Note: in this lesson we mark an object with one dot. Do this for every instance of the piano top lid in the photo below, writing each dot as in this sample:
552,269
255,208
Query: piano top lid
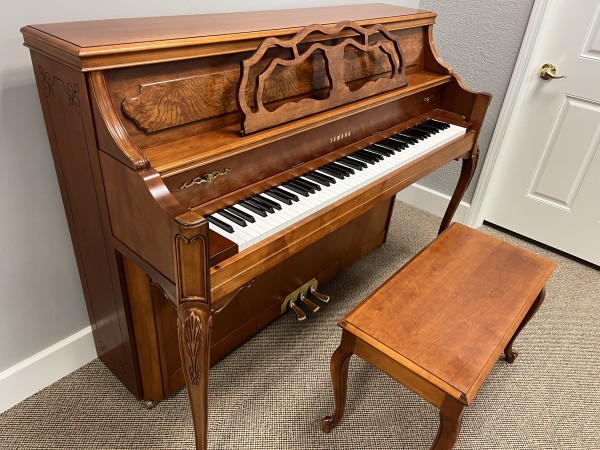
103,44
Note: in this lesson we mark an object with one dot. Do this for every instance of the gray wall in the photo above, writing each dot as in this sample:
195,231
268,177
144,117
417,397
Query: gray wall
480,40
41,300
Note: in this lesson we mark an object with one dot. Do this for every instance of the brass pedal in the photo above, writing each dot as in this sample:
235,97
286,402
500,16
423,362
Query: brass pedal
324,298
308,303
299,313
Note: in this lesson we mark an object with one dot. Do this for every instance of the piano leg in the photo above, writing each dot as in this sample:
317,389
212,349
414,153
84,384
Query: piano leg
194,315
468,168
194,327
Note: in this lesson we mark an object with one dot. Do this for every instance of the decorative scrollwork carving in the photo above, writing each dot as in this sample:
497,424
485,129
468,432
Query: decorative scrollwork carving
206,178
47,81
192,334
258,117
72,91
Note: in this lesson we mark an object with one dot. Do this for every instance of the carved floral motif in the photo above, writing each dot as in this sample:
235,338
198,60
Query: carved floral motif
192,333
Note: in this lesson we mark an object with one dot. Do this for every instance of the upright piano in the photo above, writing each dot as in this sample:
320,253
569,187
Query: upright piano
217,169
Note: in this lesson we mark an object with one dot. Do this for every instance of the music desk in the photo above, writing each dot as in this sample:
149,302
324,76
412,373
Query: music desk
440,323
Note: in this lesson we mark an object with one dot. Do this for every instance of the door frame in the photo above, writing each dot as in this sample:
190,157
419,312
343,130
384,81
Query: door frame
507,120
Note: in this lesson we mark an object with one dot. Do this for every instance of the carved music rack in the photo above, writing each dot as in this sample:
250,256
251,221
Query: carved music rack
341,85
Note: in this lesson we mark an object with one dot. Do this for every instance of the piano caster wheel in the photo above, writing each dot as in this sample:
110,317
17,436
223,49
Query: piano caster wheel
324,298
150,404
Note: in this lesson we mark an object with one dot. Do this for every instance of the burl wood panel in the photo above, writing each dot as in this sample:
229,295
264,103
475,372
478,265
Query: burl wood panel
162,105
466,290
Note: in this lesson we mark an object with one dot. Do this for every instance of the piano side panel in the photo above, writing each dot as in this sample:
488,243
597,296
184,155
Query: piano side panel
64,100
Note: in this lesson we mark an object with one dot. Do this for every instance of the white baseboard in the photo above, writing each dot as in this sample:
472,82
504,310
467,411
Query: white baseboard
44,368
432,201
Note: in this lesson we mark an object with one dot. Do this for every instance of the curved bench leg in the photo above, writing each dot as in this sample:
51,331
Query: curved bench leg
451,413
510,353
339,378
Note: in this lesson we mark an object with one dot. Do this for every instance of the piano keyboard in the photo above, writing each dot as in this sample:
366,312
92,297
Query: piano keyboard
256,218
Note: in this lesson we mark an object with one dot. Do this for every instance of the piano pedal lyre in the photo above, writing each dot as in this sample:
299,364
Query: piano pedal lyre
301,295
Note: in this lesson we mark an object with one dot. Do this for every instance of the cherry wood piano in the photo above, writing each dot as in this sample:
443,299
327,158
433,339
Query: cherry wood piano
216,169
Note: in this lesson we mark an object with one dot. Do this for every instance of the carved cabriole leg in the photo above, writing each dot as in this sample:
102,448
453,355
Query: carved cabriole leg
194,315
451,413
468,168
339,378
193,329
510,353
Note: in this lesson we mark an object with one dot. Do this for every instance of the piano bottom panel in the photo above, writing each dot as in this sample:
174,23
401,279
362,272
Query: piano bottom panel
253,307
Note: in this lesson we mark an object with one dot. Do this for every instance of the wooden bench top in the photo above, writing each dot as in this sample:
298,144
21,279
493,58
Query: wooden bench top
448,314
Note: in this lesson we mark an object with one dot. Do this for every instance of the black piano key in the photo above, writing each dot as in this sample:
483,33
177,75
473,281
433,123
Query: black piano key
301,185
232,217
322,175
334,173
292,187
309,183
258,204
241,214
278,197
417,130
362,158
358,165
346,170
408,138
305,185
285,193
424,126
337,170
401,144
254,209
379,151
375,155
364,154
316,178
268,201
413,133
437,123
219,223
386,147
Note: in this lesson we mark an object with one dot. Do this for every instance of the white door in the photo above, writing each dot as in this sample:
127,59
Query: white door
547,182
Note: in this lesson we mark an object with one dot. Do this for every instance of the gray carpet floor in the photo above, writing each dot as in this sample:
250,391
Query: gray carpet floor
272,391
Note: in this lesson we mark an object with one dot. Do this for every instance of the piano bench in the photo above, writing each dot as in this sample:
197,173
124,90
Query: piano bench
440,323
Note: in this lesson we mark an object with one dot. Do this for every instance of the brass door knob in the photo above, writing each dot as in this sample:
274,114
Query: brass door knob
548,72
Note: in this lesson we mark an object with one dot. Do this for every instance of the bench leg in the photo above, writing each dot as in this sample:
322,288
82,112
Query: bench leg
510,353
451,413
339,378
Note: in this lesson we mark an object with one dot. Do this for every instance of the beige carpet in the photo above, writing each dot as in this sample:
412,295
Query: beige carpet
272,391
